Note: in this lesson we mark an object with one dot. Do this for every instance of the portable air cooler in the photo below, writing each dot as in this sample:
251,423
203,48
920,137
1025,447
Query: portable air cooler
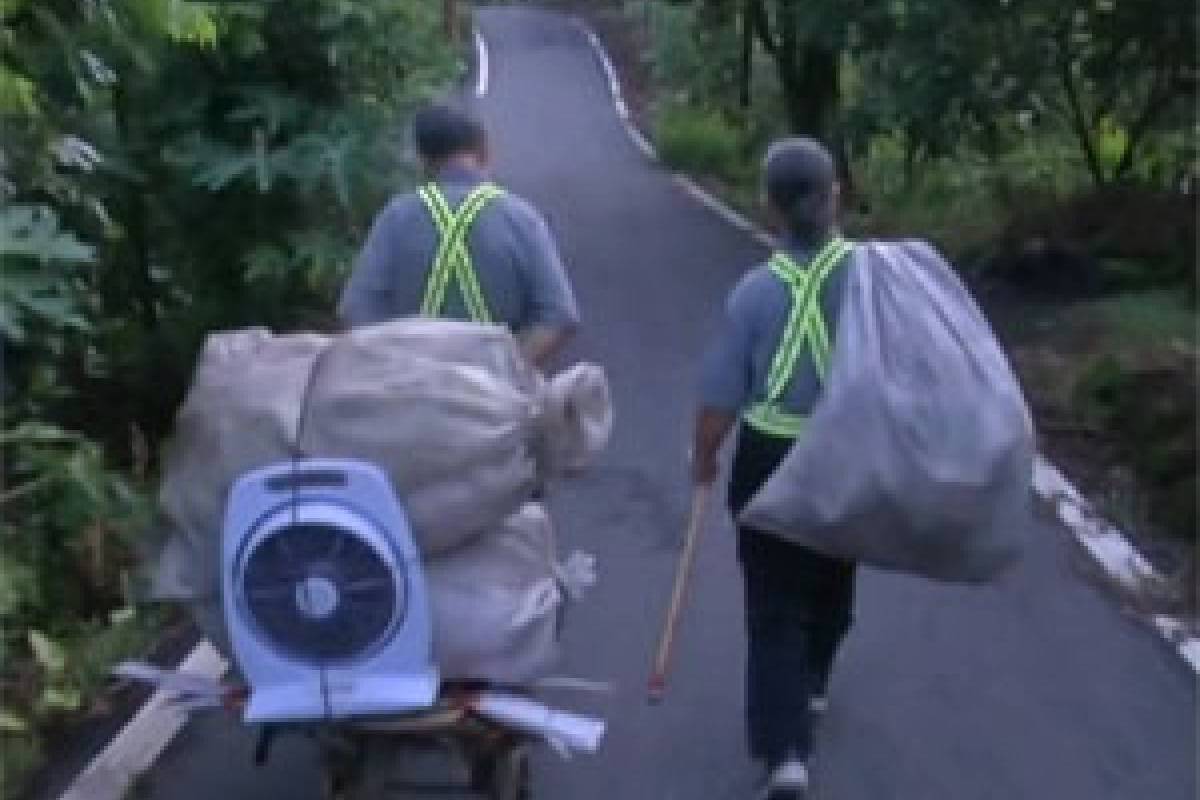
323,594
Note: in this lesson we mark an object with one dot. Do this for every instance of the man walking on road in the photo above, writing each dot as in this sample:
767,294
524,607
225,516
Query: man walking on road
461,247
766,369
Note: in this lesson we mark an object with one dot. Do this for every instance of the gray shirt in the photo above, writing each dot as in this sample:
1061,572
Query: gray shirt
515,258
738,362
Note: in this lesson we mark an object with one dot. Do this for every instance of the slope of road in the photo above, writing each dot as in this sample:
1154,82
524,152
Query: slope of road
1037,688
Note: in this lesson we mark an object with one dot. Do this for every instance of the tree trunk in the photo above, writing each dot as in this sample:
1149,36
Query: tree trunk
810,75
134,219
450,20
746,75
716,27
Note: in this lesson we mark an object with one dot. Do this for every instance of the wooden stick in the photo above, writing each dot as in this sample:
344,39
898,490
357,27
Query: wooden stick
658,677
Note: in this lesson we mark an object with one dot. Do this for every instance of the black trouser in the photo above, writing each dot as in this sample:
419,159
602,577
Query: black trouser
798,609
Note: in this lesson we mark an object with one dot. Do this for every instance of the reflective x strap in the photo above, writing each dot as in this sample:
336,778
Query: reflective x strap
439,274
457,255
770,420
805,320
815,328
453,258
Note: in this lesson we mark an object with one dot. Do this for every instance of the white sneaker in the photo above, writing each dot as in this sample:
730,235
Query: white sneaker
789,781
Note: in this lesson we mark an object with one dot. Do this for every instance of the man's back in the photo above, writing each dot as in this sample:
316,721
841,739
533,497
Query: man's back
511,250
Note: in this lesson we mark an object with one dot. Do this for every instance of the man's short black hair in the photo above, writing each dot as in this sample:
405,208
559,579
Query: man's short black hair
442,132
799,176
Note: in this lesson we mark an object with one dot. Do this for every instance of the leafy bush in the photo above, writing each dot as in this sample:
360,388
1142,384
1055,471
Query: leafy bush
167,169
691,55
698,140
1148,405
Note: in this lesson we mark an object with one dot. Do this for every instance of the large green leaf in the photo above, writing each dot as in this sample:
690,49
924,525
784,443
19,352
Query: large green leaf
50,655
12,722
61,698
18,94
18,585
180,20
34,231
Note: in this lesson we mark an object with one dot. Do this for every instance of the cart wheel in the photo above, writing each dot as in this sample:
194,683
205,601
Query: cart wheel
510,775
342,775
372,774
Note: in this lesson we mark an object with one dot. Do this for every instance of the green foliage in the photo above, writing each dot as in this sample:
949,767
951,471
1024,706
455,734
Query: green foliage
1115,80
168,168
1158,315
693,54
697,140
1148,405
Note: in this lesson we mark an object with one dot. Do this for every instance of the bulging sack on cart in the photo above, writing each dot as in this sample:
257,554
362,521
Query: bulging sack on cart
577,421
497,602
451,411
919,457
455,431
241,413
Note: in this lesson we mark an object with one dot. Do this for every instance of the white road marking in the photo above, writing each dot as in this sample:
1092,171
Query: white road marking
483,65
730,215
136,747
615,91
1110,548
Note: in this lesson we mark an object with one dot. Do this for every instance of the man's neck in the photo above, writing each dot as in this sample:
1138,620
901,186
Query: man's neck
460,169
806,243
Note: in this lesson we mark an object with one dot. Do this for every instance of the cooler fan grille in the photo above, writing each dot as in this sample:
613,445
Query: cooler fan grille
321,593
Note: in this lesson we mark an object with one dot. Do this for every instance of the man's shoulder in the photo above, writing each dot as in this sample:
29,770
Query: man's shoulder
516,208
403,204
757,284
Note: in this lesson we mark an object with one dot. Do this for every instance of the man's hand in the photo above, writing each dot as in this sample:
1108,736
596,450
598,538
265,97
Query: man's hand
704,470
540,344
712,425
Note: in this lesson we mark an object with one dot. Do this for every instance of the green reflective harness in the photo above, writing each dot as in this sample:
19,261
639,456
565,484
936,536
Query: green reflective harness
453,258
805,331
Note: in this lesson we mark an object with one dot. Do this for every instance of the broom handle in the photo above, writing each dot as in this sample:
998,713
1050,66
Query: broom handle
658,678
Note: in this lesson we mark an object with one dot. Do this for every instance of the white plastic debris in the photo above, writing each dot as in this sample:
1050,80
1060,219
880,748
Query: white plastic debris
190,692
567,733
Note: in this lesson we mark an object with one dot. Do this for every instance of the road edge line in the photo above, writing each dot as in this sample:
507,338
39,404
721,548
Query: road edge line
616,93
482,65
1110,548
136,747
1106,544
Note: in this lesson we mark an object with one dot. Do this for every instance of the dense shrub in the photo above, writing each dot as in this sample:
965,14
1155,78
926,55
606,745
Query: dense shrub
698,140
166,169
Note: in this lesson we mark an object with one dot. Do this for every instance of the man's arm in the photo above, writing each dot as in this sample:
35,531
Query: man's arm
712,426
542,343
551,314
368,295
725,387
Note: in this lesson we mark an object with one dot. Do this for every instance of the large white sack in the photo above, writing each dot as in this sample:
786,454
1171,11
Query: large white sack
241,413
450,410
919,457
457,437
496,603
214,442
578,419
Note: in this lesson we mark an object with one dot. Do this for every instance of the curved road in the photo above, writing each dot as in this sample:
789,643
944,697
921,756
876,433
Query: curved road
1035,689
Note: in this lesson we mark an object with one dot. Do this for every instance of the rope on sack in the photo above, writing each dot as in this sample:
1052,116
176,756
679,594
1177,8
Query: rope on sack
298,454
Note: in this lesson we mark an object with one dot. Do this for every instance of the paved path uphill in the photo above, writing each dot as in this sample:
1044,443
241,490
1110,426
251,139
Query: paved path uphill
1038,688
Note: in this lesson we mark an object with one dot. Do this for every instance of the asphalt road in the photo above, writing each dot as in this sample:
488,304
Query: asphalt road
1038,688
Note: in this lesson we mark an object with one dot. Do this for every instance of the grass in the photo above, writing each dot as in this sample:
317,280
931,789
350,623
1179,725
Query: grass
91,651
1154,316
698,140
